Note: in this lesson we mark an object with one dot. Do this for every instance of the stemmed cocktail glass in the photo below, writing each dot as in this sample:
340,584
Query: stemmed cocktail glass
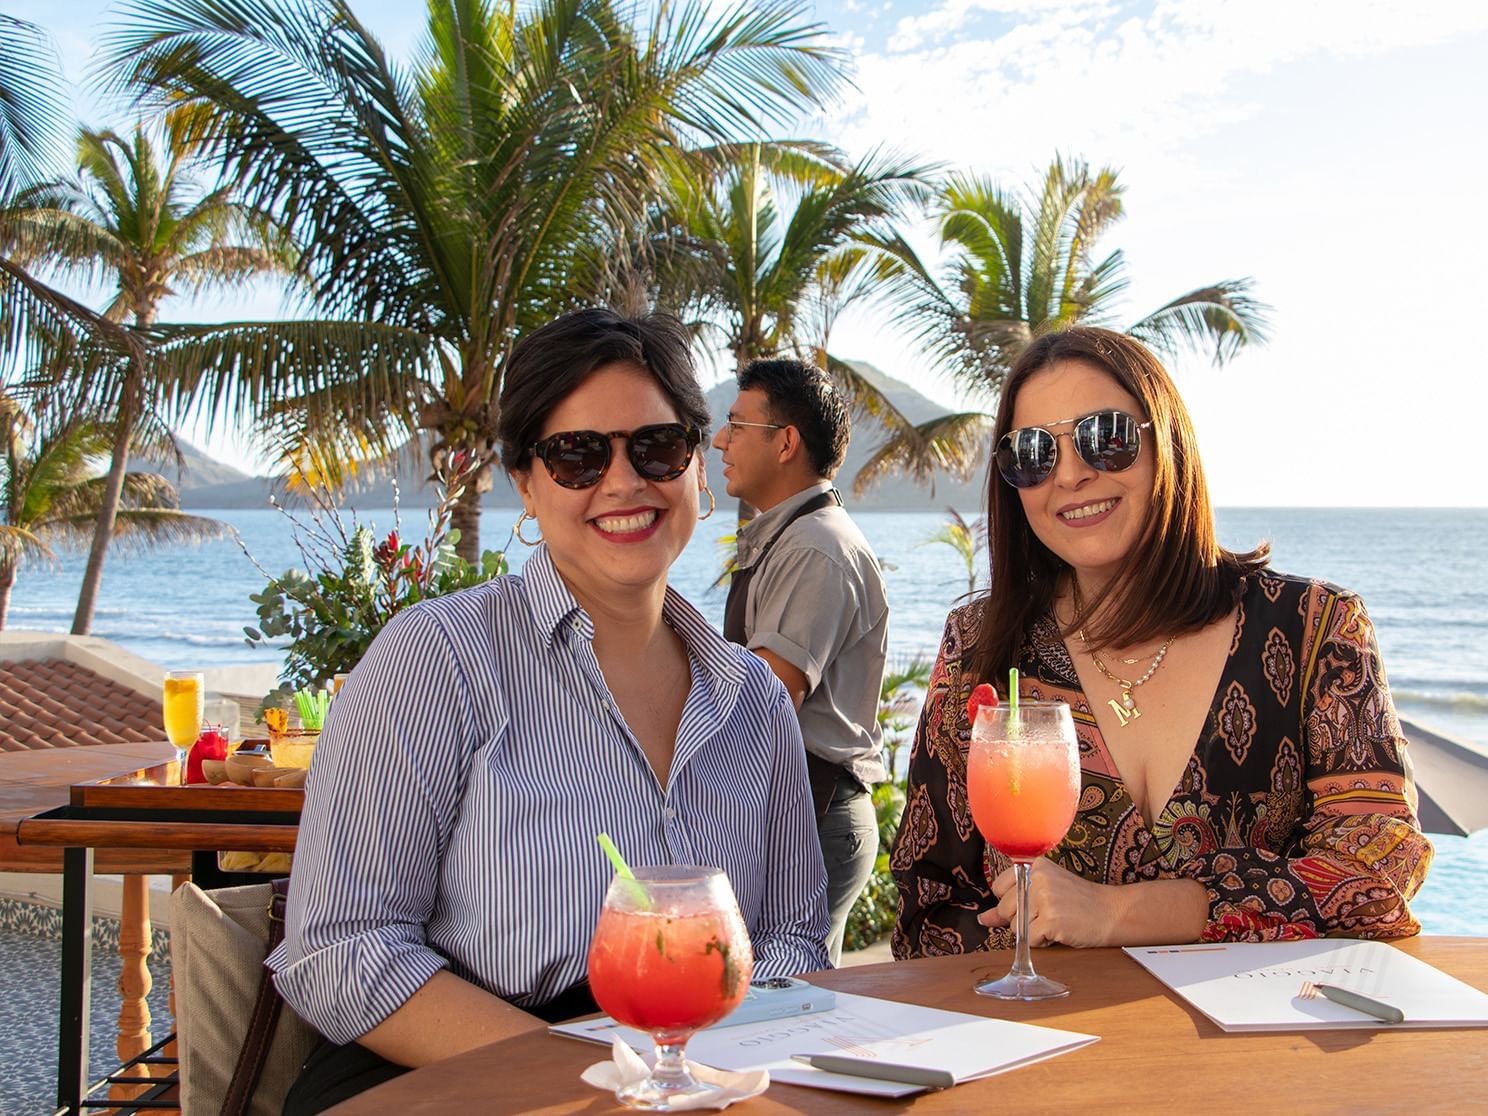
183,708
670,956
1023,780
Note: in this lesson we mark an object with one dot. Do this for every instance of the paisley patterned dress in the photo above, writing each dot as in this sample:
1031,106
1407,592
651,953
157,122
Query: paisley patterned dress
1296,810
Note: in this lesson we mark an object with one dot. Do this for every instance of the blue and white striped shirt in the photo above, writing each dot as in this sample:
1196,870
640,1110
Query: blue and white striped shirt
465,769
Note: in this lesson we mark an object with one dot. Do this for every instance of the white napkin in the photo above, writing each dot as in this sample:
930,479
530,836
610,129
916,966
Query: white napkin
626,1067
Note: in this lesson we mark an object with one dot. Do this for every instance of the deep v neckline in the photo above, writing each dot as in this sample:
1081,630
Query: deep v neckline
1056,664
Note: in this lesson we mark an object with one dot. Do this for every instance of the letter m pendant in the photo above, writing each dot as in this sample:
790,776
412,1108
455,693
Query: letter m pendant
1124,716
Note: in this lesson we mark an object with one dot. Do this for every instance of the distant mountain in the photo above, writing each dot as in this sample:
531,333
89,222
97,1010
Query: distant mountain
206,483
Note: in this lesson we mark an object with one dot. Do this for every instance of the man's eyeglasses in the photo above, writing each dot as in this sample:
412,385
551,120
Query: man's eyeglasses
578,458
1106,440
733,424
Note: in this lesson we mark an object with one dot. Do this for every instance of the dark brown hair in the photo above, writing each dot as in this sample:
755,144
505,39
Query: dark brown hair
1177,578
802,395
549,363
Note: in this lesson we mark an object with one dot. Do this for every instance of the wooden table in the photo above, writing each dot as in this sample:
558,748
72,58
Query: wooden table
1154,1053
143,809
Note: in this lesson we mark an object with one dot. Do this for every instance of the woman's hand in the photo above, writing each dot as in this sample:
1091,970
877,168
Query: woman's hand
1062,907
1069,910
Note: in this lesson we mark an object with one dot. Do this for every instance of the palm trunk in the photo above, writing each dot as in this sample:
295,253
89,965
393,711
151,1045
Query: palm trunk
7,580
108,512
465,518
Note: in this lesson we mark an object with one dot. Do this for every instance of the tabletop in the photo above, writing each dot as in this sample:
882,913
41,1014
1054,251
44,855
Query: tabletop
147,808
41,779
1153,1051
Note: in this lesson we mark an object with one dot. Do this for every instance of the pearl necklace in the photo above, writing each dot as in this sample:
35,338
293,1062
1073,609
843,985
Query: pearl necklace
1128,702
1126,711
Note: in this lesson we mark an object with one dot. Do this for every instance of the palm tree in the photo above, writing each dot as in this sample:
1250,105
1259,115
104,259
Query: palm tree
962,537
1019,269
766,244
448,208
48,493
136,217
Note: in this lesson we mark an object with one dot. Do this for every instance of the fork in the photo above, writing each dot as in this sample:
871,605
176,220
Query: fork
1311,990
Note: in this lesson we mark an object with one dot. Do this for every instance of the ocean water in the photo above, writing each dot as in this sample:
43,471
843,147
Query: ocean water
1420,572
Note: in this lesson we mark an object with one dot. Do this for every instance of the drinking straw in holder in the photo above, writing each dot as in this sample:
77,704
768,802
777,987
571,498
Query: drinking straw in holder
1013,691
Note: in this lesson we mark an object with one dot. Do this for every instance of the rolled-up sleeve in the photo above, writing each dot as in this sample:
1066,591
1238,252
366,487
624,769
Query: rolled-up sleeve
382,797
805,610
792,931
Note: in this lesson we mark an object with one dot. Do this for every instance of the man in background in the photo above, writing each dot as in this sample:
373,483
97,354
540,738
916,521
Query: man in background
808,598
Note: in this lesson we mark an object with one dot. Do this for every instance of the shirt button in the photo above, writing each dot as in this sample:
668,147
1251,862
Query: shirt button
668,813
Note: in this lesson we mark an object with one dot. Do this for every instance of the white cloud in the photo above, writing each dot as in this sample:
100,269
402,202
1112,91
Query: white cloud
1323,148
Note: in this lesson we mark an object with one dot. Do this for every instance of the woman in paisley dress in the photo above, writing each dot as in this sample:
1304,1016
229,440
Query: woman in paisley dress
1243,773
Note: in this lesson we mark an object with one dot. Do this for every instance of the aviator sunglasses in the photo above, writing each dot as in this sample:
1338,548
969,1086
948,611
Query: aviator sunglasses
578,458
1105,440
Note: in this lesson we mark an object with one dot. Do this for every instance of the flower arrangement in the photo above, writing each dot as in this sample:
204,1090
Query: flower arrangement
324,616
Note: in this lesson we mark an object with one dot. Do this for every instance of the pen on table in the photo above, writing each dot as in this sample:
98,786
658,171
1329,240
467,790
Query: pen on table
1359,1002
878,1071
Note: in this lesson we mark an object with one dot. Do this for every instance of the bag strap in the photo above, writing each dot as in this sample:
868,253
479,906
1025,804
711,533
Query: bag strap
264,1019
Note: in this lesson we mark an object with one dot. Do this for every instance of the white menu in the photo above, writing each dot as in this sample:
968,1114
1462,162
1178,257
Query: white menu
965,1046
1255,986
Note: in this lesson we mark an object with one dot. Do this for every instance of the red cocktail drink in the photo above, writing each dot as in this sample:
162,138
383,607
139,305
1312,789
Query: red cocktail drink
662,973
1023,796
670,956
1023,784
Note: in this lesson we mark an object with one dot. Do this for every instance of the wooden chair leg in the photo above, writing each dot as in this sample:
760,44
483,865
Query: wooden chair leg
134,979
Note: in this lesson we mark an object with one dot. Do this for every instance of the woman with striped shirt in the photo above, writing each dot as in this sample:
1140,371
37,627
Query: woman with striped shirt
447,880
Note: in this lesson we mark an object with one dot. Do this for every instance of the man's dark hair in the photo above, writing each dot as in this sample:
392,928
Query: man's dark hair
548,364
803,396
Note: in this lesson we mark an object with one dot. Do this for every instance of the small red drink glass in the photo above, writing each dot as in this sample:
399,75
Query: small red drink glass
1023,782
670,956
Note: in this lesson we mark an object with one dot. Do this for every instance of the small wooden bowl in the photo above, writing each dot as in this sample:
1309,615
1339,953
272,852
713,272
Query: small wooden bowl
270,776
239,767
215,771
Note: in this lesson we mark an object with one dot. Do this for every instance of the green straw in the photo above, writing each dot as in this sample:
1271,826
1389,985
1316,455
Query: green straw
639,895
1013,691
621,868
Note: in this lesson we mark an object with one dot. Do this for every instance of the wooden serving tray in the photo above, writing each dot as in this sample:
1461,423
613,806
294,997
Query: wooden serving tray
156,788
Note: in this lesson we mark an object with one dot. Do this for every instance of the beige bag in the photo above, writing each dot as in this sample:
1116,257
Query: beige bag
218,943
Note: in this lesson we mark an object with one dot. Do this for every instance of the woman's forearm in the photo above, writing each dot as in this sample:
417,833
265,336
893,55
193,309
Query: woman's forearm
446,1016
1159,912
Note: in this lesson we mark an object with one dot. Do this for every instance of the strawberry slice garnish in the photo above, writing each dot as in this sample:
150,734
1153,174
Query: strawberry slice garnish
982,694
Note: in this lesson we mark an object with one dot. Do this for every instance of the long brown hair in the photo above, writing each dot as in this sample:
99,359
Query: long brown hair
1176,579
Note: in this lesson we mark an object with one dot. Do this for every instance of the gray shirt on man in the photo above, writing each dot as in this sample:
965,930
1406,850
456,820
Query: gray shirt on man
819,603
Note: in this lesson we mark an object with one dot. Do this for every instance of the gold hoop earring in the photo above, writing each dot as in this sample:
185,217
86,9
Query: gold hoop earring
712,503
517,530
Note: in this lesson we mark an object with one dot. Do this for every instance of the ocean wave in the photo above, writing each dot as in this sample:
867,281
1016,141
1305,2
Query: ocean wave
192,639
1458,702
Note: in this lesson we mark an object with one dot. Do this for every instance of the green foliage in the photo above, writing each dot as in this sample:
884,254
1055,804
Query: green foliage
962,537
900,698
330,617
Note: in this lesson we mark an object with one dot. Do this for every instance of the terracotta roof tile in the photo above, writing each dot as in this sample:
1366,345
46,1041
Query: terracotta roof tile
51,703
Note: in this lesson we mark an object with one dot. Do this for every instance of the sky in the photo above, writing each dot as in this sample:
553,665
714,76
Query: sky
1331,150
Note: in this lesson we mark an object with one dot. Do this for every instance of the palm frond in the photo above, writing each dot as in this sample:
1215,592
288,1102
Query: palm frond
953,443
1220,319
31,99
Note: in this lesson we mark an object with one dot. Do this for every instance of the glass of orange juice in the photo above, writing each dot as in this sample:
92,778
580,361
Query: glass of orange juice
182,709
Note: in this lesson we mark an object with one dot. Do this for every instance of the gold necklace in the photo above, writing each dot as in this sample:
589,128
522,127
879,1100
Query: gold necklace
1126,709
